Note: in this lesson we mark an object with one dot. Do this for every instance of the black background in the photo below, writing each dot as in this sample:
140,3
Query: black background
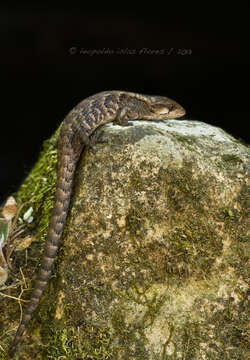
201,64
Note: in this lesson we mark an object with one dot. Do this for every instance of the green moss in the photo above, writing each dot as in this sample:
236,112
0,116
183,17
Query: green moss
168,341
192,247
73,338
182,187
190,140
84,342
231,158
40,185
135,220
37,191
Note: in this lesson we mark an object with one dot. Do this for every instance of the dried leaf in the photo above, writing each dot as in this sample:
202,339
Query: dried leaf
9,210
23,243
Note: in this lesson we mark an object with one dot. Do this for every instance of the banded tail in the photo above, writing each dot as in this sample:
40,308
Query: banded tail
66,168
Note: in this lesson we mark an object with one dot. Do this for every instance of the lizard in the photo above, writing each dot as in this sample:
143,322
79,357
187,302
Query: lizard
76,134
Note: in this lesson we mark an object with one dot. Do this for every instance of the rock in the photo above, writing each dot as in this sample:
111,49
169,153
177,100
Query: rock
154,257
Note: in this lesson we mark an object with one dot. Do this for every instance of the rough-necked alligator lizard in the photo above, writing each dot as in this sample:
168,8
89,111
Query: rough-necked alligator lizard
77,127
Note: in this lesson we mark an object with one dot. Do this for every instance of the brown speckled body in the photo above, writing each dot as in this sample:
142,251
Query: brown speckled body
79,124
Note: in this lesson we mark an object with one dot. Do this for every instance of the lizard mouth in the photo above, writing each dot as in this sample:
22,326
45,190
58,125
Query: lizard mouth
182,117
163,111
180,112
169,111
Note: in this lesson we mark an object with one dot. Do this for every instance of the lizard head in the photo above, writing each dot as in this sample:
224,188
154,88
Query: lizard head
147,107
162,108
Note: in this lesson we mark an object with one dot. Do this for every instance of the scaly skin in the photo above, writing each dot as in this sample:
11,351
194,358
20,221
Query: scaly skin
79,124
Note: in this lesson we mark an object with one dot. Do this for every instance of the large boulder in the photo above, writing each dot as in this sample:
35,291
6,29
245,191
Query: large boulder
154,257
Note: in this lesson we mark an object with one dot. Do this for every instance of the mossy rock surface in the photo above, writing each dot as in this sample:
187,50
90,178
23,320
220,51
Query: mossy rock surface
154,258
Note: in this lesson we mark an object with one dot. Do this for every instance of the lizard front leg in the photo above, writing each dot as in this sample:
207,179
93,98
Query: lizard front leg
124,116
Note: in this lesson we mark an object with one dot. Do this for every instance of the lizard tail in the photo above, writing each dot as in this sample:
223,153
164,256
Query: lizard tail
66,168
